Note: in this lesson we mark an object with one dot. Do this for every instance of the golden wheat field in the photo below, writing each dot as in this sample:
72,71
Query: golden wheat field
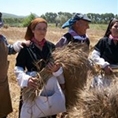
54,33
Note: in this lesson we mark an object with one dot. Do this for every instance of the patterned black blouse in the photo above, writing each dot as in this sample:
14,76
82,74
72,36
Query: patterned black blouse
28,56
108,50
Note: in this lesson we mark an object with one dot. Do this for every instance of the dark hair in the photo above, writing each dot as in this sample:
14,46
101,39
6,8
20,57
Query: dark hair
111,23
0,17
0,14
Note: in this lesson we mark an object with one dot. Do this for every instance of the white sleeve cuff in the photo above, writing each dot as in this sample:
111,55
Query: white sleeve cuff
61,79
59,72
24,82
22,77
104,65
98,60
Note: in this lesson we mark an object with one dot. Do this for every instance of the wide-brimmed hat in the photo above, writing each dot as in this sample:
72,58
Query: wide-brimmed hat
1,22
76,17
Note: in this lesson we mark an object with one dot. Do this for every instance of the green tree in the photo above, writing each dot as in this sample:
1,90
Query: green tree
61,19
28,19
50,17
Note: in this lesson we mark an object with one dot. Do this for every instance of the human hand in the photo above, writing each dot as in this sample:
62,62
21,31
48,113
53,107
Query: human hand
32,82
53,67
25,43
108,70
20,44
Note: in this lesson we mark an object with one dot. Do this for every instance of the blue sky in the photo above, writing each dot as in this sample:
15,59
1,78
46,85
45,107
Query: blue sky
39,7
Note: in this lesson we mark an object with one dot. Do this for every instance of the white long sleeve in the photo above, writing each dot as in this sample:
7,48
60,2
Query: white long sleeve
59,75
98,60
22,77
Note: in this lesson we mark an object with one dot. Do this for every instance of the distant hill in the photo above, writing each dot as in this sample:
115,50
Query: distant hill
8,15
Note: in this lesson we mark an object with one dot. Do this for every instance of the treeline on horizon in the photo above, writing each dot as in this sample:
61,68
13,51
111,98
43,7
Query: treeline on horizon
56,18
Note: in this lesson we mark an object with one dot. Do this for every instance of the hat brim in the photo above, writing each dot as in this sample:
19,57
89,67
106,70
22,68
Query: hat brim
88,20
68,23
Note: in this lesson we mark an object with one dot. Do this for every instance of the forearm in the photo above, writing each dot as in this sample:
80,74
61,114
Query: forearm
59,75
63,41
16,47
98,60
22,77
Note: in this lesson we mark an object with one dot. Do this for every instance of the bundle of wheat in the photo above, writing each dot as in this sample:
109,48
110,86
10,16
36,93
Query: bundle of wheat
74,59
98,103
31,93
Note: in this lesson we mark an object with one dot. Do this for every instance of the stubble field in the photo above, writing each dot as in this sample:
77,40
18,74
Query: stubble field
54,34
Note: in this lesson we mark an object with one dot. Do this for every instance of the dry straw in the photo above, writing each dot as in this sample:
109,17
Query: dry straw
31,93
74,59
98,103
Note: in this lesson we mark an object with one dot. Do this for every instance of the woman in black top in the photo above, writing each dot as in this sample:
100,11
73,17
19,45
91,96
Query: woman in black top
105,52
39,52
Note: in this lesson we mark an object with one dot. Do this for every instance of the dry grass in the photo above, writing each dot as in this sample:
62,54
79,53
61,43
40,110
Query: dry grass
98,103
14,34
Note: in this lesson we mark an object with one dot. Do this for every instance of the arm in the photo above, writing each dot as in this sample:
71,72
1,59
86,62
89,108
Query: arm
16,47
98,54
19,70
22,77
63,41
59,75
98,60
10,47
57,71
